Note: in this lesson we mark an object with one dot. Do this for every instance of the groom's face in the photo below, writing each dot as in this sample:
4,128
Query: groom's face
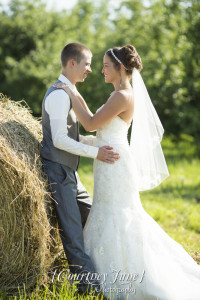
83,68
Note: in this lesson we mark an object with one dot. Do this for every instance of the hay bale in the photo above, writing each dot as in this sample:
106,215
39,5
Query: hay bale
29,239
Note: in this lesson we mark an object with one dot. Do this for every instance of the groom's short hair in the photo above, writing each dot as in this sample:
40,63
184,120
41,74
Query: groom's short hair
73,51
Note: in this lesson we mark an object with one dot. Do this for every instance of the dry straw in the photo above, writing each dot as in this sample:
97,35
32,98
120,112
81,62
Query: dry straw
29,242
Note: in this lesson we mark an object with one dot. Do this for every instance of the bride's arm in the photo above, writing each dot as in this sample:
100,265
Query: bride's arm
116,104
84,104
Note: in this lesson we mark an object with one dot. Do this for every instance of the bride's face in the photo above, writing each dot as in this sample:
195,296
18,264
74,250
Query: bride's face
109,71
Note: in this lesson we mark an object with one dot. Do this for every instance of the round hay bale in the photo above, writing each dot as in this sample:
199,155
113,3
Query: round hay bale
29,238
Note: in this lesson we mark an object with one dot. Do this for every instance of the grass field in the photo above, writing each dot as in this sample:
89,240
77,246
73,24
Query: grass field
175,205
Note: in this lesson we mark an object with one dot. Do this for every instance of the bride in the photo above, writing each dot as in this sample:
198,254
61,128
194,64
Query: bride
132,254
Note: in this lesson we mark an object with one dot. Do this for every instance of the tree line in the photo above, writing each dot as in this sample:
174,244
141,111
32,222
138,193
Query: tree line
166,34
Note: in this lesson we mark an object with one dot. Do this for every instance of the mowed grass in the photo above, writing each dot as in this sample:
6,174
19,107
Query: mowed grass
175,205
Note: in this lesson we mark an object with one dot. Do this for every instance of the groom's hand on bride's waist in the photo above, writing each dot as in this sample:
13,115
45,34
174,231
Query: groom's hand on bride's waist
106,154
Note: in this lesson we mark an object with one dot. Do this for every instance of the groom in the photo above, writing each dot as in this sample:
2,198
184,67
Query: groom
61,147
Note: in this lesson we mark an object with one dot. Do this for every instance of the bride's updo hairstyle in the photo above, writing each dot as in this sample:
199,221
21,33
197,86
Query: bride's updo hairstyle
128,56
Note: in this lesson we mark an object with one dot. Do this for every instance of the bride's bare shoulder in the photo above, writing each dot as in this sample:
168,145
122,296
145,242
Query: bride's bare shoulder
126,96
121,94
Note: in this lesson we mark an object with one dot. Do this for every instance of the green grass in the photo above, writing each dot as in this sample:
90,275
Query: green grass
56,291
175,205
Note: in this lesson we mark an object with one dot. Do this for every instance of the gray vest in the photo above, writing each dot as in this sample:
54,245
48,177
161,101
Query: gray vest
48,150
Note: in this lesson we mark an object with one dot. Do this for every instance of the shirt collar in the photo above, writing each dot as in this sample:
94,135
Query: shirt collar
64,79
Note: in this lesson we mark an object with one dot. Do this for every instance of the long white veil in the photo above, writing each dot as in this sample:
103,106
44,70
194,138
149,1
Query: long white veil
146,136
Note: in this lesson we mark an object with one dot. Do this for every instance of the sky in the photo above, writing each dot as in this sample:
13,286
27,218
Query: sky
59,4
55,4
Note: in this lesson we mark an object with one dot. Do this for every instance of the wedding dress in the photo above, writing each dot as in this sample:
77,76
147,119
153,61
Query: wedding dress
129,250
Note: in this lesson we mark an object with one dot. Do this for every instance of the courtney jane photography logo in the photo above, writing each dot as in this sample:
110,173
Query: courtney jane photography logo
104,282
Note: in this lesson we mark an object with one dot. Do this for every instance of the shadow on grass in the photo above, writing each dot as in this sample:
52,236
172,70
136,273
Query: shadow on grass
179,148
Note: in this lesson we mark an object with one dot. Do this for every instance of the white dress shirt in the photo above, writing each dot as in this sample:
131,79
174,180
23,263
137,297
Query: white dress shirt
57,105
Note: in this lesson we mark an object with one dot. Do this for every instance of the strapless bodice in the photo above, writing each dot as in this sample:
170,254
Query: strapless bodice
113,133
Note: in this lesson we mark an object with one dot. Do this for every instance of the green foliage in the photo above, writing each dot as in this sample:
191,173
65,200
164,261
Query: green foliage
166,34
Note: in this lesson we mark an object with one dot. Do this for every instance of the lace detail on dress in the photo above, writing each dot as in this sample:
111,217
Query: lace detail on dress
121,237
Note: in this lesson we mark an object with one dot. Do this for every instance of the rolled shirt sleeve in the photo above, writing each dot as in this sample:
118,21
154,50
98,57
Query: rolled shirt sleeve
57,105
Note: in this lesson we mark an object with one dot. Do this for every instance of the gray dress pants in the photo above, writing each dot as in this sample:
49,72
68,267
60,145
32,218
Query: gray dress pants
72,207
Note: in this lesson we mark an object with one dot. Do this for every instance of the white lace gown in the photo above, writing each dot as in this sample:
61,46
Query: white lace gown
129,250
